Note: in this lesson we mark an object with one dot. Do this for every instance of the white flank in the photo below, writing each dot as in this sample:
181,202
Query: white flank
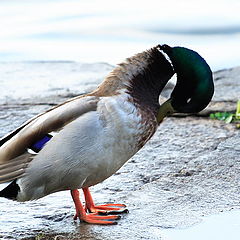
86,151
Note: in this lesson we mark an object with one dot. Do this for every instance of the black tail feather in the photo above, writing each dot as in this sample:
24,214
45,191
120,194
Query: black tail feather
11,191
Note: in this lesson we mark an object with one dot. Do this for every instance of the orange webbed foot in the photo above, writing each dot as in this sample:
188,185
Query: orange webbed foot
93,218
110,208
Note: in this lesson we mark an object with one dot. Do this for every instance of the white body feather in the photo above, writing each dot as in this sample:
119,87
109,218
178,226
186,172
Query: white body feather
86,151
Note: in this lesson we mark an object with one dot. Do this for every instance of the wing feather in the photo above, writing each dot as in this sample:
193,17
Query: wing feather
13,155
14,168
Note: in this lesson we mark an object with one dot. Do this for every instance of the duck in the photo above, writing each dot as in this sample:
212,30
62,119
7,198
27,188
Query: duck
85,140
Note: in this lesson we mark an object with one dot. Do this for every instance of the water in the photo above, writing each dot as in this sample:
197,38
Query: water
222,226
93,31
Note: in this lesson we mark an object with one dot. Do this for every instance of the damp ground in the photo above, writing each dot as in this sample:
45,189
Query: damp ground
184,181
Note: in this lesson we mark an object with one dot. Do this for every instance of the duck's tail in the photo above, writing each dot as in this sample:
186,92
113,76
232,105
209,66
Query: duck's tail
11,191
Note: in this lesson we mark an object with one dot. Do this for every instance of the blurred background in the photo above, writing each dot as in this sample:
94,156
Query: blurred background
109,31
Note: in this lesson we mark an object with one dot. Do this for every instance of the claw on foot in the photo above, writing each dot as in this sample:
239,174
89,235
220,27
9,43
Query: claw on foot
110,208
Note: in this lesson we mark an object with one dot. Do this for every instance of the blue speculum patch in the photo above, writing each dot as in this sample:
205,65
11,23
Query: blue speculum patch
36,147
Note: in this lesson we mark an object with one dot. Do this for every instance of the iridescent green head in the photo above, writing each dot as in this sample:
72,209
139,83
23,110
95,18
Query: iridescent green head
194,88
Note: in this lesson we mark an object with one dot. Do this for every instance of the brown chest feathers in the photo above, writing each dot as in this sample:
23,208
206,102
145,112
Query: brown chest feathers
143,77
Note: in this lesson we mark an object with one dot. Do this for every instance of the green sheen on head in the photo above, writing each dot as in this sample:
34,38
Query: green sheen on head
194,88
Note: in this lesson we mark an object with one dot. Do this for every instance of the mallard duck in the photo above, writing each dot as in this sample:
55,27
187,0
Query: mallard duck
85,140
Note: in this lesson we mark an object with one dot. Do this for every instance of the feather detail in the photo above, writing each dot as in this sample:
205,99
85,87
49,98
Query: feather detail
129,72
36,147
14,168
35,129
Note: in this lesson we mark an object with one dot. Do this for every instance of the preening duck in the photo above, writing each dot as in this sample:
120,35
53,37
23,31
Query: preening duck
85,140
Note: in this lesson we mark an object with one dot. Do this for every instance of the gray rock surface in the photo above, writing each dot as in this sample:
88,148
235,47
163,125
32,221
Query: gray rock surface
227,93
189,169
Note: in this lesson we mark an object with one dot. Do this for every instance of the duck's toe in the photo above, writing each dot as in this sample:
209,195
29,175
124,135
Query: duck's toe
110,208
94,218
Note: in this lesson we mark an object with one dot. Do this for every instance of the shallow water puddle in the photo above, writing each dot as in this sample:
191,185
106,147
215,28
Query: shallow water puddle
222,226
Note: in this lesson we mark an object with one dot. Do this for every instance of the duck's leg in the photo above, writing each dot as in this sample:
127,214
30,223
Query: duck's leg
90,217
105,208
